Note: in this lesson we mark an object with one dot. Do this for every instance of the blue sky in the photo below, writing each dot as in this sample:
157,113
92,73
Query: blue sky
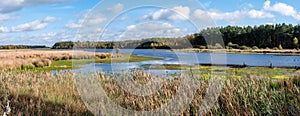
44,22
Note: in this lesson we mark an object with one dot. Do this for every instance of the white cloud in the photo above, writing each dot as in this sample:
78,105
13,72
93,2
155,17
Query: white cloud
149,30
30,26
73,25
87,20
15,5
282,9
64,7
231,17
4,29
6,17
50,19
185,11
116,9
260,14
10,5
175,14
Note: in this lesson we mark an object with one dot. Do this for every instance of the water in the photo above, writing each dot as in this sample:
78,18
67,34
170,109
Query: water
194,58
191,58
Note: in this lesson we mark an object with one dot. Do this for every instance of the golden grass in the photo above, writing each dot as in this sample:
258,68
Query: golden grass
42,93
10,59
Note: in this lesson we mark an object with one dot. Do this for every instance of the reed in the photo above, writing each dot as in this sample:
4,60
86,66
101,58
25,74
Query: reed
11,59
44,93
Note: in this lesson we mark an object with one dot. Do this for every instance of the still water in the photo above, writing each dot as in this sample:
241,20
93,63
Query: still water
191,58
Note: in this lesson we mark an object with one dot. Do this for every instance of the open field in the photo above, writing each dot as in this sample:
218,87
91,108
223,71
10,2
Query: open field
42,93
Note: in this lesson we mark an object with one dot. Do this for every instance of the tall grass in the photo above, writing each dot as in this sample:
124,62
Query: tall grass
44,93
40,93
10,59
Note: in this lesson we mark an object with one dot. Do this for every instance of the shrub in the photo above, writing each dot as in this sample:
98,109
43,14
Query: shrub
210,47
47,62
244,47
255,47
38,63
202,47
27,66
218,46
275,48
234,46
65,57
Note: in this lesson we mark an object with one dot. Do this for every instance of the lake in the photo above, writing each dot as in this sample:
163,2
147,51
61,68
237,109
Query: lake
191,58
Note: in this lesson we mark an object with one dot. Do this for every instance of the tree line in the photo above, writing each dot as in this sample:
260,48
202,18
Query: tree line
279,36
21,47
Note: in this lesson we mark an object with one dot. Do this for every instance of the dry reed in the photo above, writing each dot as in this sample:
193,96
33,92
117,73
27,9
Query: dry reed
42,93
10,59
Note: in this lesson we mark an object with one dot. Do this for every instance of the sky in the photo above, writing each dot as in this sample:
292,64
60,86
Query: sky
44,22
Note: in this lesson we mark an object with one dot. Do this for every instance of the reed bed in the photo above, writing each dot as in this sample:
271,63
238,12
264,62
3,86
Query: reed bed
44,93
10,59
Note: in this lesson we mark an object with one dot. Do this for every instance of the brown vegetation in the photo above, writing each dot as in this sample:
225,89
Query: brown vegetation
40,58
42,93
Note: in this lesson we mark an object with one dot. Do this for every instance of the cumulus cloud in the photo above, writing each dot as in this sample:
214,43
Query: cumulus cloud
149,30
179,13
282,9
73,25
15,5
87,20
175,14
6,17
232,17
30,26
116,9
259,14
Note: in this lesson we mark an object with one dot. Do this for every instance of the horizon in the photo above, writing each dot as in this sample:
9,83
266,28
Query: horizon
45,23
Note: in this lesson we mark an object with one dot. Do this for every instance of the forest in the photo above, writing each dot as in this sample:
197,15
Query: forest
278,36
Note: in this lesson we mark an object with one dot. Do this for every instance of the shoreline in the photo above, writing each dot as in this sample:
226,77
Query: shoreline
258,51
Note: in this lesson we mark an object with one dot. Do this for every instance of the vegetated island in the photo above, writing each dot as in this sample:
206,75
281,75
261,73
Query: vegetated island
279,38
